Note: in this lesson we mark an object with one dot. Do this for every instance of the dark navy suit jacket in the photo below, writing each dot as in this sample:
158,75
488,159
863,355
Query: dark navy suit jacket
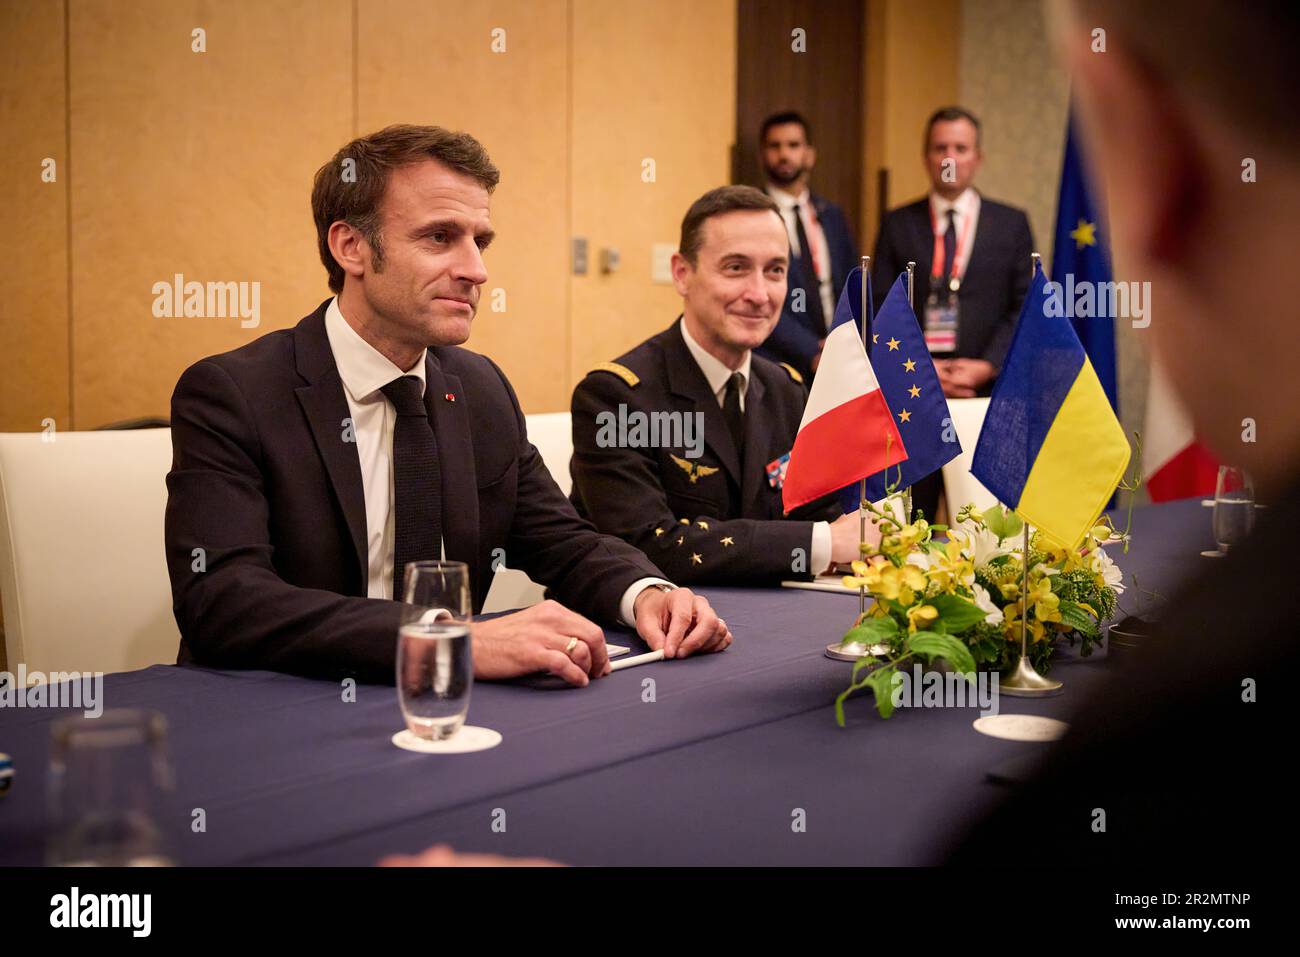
266,480
996,280
797,338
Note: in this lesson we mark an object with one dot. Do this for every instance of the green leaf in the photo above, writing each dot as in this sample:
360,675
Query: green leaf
875,680
881,683
957,613
864,662
1078,619
1003,523
872,631
952,650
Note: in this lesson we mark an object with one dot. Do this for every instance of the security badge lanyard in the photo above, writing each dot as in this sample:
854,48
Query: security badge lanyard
942,313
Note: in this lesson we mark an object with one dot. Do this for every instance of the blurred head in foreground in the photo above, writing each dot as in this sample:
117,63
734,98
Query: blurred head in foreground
1184,125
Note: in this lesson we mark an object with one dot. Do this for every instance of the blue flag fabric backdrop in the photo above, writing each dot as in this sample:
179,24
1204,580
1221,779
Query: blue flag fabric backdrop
1082,251
910,385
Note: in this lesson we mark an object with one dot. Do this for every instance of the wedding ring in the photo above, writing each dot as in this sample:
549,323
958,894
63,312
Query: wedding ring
568,649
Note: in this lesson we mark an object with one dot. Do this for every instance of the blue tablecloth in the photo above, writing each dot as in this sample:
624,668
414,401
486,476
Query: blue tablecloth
714,771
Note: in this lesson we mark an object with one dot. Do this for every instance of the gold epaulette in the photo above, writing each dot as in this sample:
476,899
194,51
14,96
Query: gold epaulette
623,372
794,373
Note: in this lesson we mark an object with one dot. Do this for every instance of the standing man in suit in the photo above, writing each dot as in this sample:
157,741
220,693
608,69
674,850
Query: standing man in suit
704,502
972,268
312,464
1188,767
971,256
822,250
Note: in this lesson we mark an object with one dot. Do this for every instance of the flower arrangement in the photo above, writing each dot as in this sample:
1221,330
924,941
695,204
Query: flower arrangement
960,599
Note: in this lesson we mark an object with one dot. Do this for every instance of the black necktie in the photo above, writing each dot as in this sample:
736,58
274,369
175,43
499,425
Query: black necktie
949,245
812,284
417,483
731,411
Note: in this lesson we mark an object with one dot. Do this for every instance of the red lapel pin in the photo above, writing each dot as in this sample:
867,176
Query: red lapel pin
450,397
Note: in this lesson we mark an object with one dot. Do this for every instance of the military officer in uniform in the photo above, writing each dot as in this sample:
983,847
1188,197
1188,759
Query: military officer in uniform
679,446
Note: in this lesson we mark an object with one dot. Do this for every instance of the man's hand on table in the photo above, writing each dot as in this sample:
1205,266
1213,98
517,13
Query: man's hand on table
680,622
542,638
536,639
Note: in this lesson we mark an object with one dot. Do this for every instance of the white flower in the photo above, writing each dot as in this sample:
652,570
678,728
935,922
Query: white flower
1110,573
992,613
920,559
977,543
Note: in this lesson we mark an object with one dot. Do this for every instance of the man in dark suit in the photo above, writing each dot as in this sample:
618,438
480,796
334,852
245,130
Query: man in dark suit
701,494
971,255
1175,765
821,244
312,464
972,268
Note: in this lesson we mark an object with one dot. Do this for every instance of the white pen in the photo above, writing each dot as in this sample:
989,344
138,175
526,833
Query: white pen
636,660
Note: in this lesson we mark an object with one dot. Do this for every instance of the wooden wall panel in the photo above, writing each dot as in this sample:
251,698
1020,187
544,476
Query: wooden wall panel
432,61
34,283
912,68
650,81
198,164
824,83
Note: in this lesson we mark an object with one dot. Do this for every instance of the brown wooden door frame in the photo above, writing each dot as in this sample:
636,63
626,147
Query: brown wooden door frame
824,83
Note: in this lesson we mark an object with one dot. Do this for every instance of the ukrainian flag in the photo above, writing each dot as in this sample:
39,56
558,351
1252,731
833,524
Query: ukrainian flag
1051,447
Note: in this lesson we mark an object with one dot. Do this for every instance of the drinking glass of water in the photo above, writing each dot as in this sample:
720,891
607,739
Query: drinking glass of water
110,780
435,670
1234,507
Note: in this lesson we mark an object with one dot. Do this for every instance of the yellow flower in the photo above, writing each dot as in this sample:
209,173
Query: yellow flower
886,580
921,616
909,535
949,568
1011,624
1042,602
1045,604
865,574
897,544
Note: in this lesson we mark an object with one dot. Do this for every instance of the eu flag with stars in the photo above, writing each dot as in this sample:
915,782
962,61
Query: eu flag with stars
910,385
1081,252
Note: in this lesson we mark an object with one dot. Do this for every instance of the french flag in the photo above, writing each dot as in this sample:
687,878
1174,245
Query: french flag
847,432
1176,465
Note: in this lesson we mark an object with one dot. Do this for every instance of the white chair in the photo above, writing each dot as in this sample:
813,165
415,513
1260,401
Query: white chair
959,486
83,578
552,433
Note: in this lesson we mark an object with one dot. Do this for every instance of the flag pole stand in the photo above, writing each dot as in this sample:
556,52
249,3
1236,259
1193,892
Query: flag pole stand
853,650
1024,681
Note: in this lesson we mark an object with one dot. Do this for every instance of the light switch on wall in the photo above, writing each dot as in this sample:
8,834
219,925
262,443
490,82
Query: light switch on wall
661,262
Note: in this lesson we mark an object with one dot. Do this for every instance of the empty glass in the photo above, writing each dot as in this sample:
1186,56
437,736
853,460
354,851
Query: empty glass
1234,507
435,670
109,783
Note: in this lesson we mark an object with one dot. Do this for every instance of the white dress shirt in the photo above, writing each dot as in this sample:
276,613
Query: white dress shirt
966,208
718,374
364,371
816,236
